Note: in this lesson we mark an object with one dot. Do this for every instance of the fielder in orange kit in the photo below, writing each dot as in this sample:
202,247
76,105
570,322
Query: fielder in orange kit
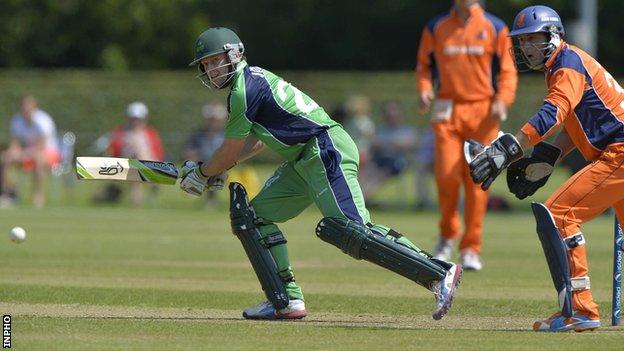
467,51
585,99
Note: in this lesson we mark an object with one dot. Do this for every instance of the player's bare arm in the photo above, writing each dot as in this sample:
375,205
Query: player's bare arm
224,158
523,140
564,143
252,147
211,174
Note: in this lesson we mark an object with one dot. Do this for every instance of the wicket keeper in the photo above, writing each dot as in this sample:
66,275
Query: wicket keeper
585,99
321,167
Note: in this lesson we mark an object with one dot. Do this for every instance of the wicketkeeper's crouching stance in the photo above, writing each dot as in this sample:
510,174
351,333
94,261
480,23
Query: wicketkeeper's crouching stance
589,103
321,167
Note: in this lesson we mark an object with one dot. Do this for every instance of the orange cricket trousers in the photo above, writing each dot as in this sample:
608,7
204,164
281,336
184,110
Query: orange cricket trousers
469,120
584,196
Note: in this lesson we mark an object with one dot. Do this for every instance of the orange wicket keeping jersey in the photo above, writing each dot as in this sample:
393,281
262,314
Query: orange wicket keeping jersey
583,97
471,60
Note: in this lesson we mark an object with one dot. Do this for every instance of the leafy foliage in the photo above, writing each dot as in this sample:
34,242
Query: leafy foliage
298,34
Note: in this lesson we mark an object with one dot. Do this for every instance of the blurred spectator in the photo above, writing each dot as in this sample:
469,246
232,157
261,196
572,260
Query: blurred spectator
360,125
203,143
134,139
424,169
33,146
339,114
393,144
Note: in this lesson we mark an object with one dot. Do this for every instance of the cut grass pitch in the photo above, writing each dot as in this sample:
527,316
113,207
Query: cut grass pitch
119,278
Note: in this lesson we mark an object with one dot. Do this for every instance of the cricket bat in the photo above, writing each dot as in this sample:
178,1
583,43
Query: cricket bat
125,169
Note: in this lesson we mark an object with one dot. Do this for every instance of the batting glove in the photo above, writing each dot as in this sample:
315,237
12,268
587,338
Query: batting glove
193,181
217,181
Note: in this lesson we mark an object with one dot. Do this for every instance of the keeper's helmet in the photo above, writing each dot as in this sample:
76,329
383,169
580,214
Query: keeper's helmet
535,19
214,41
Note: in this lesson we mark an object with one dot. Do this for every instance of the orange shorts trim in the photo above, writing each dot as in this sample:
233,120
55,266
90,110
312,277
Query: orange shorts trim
51,158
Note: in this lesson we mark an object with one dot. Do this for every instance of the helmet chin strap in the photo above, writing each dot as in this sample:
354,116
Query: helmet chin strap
235,56
549,48
553,44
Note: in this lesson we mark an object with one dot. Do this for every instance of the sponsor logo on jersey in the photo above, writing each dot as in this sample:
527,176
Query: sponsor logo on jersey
256,71
463,49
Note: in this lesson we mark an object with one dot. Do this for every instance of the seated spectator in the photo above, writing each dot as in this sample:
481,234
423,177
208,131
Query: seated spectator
392,147
204,142
33,146
360,125
136,139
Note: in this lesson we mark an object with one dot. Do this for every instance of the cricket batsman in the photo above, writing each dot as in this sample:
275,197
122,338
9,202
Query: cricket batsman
321,167
467,51
585,99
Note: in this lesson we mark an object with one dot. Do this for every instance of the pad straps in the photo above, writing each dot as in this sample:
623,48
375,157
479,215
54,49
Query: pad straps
574,241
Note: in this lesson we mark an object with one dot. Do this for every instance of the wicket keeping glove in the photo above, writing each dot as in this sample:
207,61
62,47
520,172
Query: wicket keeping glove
193,181
528,174
490,162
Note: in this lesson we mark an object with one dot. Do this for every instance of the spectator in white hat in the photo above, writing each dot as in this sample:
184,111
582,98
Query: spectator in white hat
136,139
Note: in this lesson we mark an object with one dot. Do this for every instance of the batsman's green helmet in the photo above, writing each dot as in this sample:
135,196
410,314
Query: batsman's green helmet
215,41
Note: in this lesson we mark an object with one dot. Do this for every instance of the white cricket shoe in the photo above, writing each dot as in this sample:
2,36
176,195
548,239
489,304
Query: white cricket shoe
443,249
295,310
444,291
471,260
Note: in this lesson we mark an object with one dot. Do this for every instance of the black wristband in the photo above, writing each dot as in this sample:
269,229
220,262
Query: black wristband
511,147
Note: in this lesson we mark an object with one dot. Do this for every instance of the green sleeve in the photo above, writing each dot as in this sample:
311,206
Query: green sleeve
238,125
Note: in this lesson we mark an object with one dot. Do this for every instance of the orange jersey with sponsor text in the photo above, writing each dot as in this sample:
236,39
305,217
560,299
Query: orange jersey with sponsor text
583,97
472,60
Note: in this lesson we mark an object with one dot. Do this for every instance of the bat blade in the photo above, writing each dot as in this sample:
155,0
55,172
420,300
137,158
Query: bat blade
124,169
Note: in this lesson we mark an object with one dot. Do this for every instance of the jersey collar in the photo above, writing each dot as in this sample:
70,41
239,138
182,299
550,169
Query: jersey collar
239,68
551,60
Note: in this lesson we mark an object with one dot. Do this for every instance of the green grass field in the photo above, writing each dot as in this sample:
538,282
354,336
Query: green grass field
174,277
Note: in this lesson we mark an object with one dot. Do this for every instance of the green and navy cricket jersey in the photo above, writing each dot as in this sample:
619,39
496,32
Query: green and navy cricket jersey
318,149
277,113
